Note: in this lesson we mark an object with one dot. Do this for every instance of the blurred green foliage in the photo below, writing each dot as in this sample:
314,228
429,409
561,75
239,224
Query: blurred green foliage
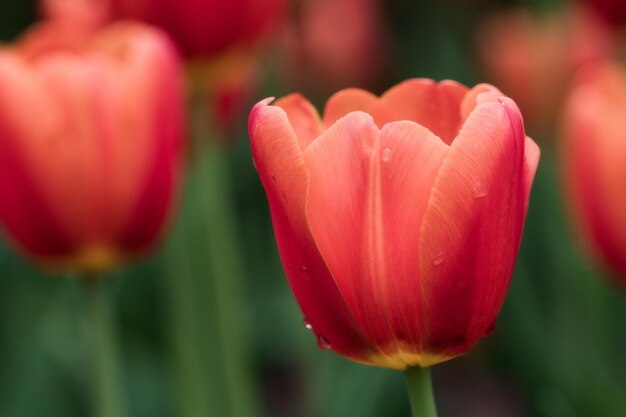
558,350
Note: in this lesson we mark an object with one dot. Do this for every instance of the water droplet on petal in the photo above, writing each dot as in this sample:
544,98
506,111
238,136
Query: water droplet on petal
479,190
307,325
367,151
323,343
386,155
438,259
304,268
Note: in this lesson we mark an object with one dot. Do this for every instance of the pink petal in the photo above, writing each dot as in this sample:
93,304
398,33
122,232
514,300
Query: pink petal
594,168
532,154
159,150
278,159
368,193
472,228
302,116
433,105
347,101
24,210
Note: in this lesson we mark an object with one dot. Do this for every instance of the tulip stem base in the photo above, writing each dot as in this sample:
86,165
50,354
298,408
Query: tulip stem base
106,381
420,392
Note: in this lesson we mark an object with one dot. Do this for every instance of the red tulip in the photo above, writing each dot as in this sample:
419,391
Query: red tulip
613,11
398,219
594,158
85,15
207,27
90,141
316,52
532,58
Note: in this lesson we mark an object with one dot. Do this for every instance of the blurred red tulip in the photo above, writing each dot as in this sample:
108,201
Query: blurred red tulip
613,11
533,58
86,15
199,27
317,52
221,39
207,27
90,142
398,219
594,157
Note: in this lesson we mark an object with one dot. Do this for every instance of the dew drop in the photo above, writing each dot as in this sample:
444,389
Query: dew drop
323,343
304,268
367,151
479,190
438,259
307,325
386,155
490,329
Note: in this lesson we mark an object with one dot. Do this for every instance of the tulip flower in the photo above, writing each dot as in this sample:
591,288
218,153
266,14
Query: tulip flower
316,52
594,151
532,58
87,15
199,27
398,218
90,143
613,11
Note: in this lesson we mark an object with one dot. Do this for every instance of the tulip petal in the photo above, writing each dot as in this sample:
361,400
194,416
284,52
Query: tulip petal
302,116
368,193
472,228
278,159
532,154
593,157
27,209
24,210
155,154
433,105
347,101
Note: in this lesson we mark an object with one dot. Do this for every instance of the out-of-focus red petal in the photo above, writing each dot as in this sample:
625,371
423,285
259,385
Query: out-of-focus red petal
65,175
279,162
25,211
149,202
368,193
593,156
472,228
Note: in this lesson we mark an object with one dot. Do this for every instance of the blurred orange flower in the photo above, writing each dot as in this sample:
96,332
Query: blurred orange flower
87,15
90,143
398,218
336,43
594,161
533,58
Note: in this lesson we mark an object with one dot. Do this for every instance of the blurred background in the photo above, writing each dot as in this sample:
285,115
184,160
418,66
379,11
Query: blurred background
207,323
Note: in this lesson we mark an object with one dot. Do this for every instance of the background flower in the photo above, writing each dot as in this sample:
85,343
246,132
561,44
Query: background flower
91,136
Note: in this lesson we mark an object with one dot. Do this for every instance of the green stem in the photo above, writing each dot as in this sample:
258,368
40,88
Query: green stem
107,396
203,261
420,392
226,278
